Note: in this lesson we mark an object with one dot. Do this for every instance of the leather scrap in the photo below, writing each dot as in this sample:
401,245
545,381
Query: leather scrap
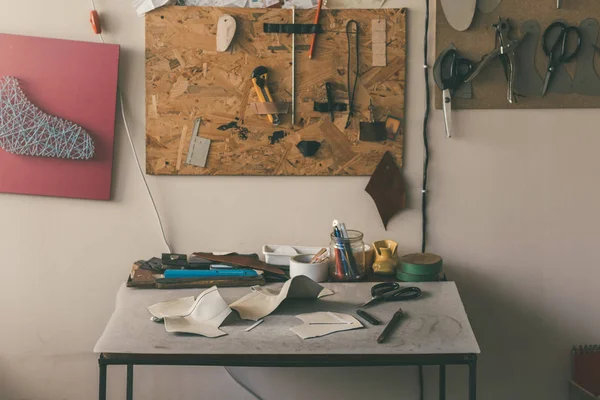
487,6
270,108
586,81
528,81
373,132
386,187
241,260
308,148
324,107
292,28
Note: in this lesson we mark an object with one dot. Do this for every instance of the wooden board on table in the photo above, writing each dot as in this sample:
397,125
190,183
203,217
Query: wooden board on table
187,79
489,88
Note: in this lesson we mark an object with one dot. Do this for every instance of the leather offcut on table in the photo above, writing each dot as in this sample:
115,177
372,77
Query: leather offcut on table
386,187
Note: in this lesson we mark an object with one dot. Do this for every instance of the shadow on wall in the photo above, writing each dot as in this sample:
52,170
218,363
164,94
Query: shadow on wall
521,346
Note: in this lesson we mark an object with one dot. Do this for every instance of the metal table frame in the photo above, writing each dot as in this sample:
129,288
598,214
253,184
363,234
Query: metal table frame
289,360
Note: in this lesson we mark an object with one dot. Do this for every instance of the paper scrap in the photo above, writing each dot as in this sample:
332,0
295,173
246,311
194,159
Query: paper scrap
263,301
143,6
216,3
324,323
202,316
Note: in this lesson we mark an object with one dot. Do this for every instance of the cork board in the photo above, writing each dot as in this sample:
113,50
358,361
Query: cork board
187,79
489,88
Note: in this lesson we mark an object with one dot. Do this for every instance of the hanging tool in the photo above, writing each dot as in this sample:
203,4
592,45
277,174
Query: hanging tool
259,80
351,89
294,68
558,3
557,52
454,71
390,326
314,37
372,319
391,291
505,51
330,106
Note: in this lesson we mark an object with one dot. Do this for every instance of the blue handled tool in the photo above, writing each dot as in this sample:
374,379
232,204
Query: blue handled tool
219,273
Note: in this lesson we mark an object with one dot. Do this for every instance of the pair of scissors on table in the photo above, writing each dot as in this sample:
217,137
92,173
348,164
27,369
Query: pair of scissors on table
391,291
454,70
557,51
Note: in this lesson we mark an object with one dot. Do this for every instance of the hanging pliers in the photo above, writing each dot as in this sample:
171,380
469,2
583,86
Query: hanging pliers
505,50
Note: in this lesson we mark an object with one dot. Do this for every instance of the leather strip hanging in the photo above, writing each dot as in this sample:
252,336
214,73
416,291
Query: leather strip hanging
352,92
292,28
324,107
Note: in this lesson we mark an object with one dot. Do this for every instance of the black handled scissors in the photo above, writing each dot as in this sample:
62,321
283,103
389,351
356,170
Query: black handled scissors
454,70
391,291
557,51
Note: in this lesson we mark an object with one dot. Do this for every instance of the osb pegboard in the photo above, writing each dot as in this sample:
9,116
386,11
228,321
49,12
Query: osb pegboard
187,79
489,88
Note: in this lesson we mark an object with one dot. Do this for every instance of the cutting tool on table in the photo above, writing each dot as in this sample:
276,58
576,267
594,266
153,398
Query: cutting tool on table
391,291
454,70
505,51
259,80
556,50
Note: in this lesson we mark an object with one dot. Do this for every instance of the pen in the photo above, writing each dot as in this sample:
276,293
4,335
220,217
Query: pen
314,38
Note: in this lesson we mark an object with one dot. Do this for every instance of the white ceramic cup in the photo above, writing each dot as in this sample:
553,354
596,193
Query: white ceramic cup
300,265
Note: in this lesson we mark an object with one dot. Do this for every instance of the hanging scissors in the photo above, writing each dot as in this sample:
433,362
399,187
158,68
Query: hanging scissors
391,291
557,51
454,70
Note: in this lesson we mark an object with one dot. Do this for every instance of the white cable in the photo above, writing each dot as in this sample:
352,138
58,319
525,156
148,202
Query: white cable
256,396
135,156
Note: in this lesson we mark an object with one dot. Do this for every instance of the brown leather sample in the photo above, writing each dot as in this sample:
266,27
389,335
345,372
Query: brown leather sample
240,260
386,187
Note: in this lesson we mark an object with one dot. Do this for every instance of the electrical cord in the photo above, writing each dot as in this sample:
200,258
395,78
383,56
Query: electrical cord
425,161
425,138
137,160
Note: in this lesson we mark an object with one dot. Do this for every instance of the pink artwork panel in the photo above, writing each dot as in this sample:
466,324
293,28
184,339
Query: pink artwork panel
76,81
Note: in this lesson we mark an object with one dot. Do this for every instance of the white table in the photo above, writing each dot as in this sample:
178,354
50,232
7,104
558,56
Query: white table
435,331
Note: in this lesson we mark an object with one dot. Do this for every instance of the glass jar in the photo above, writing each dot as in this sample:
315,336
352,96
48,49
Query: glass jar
347,257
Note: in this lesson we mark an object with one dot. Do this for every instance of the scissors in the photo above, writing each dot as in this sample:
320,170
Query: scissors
391,291
454,71
557,51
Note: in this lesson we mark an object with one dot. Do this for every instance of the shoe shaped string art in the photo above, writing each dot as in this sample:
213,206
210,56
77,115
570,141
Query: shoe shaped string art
27,130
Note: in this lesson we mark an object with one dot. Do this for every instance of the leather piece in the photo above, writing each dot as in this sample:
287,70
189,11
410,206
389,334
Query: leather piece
270,108
308,148
324,107
240,260
487,6
464,91
459,13
373,132
293,28
528,81
561,80
586,81
386,187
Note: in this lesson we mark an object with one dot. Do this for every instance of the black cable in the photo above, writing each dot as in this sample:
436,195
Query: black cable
425,139
425,161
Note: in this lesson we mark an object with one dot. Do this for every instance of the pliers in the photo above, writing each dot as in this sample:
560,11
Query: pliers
505,50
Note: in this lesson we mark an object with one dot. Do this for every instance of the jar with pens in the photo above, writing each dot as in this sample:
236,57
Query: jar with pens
347,254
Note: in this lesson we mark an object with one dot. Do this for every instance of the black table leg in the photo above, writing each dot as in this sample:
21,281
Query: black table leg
442,382
473,379
102,383
129,381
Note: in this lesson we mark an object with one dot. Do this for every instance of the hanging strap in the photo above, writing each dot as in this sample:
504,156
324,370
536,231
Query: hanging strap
351,88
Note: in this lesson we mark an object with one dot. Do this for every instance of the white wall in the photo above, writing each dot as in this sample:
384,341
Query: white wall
513,212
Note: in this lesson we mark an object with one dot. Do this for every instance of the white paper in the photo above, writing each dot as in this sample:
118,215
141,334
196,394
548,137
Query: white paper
202,316
324,323
263,301
301,4
216,3
143,6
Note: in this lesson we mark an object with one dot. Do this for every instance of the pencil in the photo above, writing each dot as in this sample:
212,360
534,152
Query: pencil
314,38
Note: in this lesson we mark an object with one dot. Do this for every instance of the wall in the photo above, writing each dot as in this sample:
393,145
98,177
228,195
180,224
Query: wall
513,212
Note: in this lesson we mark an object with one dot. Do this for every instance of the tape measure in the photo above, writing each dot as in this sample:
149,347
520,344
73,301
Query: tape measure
420,267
